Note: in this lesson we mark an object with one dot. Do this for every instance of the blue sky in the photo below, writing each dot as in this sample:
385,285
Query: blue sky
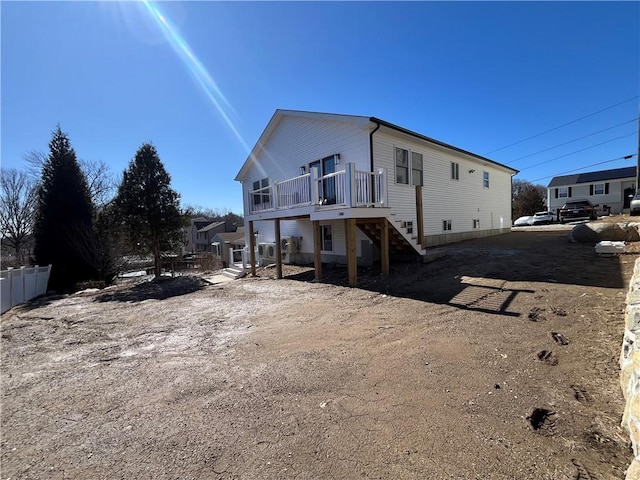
478,75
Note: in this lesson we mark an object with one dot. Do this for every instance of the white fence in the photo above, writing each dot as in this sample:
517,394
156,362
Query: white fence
19,285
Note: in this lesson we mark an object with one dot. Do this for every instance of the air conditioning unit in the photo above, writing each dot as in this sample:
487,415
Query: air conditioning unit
267,251
290,244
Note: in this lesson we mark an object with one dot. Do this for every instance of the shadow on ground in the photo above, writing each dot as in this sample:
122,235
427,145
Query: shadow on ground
475,274
158,289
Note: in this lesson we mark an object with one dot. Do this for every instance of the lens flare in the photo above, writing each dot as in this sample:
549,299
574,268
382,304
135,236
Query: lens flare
197,69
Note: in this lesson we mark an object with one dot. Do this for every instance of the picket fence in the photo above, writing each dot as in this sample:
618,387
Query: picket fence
19,285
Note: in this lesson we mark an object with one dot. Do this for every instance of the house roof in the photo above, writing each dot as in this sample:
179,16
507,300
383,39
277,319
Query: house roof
438,142
591,177
210,226
369,123
236,237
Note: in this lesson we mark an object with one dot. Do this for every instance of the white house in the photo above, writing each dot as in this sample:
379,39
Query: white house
605,188
320,187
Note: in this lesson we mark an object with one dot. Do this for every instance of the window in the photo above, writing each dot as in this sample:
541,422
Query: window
262,197
408,226
563,192
485,179
409,173
327,238
455,171
476,223
402,165
599,189
416,168
446,225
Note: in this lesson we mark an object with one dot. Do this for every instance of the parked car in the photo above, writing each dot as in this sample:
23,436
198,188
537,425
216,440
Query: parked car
543,218
578,210
523,221
634,208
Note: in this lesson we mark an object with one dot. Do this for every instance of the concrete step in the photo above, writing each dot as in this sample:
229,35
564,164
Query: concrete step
234,272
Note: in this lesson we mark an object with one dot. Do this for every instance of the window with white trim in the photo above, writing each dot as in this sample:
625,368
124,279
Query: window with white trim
327,238
402,165
416,168
485,179
598,189
262,197
446,225
563,192
455,171
409,167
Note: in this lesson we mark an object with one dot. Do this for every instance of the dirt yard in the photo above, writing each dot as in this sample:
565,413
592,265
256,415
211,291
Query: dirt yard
498,361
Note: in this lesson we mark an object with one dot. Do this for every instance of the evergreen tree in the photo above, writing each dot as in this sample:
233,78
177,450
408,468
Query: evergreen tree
64,214
148,207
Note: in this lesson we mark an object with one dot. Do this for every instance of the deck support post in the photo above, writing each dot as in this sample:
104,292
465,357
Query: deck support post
384,246
317,248
252,249
278,249
352,259
419,215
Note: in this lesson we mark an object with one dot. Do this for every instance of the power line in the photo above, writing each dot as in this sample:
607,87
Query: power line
574,140
577,151
626,157
563,125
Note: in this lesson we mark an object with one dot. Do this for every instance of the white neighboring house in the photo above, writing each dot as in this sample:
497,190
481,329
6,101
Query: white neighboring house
605,188
321,187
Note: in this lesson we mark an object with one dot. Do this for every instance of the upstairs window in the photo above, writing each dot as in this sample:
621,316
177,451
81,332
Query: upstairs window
485,179
455,171
402,166
562,192
416,168
262,197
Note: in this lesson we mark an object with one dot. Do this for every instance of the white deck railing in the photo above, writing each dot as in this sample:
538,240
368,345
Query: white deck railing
19,285
347,188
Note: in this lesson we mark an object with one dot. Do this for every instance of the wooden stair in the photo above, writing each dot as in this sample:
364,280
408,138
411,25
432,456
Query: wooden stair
398,244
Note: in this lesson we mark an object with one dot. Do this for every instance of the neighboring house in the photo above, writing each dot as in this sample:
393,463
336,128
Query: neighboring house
192,232
605,188
201,233
322,187
227,246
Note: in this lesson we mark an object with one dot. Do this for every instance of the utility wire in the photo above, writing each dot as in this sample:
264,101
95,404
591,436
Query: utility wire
626,157
574,140
563,125
577,151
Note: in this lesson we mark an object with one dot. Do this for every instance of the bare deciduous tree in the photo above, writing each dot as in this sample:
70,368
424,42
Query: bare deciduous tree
18,197
100,179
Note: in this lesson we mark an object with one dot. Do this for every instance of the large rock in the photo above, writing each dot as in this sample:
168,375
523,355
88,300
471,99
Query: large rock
595,232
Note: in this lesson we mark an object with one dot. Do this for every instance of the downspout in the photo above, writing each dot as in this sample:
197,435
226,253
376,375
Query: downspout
371,140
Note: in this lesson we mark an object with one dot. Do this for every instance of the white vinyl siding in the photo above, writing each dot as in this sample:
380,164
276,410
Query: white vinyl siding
443,199
298,141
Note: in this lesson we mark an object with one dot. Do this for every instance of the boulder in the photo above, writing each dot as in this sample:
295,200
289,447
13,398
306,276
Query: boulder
595,232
